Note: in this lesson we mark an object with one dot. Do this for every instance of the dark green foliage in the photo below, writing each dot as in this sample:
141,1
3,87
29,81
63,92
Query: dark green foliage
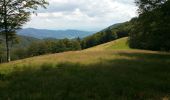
39,48
29,47
2,53
19,53
152,28
19,49
24,41
46,47
116,79
111,33
149,5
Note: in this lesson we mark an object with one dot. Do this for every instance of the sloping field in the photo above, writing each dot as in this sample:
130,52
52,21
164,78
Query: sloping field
110,71
120,44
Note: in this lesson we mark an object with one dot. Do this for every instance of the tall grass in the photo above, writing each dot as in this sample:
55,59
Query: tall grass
107,72
126,76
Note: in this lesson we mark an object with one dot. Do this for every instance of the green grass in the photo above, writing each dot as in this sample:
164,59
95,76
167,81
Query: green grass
120,44
102,74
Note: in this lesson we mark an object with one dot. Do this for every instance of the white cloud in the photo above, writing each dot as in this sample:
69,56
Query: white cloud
83,14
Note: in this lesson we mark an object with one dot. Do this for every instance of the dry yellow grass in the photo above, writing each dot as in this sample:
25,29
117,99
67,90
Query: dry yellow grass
83,57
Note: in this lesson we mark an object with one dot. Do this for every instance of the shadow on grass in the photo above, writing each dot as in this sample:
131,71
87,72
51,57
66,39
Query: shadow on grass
116,79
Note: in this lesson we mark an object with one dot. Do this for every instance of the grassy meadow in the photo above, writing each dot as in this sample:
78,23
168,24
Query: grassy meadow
110,71
120,44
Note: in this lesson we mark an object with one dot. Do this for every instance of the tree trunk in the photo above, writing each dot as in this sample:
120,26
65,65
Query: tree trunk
8,57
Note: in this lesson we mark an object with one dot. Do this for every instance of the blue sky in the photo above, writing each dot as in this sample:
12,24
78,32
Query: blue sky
89,15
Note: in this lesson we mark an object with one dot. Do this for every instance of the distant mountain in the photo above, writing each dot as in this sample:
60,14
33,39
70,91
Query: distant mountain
57,34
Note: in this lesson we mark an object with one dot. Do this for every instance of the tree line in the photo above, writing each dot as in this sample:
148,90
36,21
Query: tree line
41,47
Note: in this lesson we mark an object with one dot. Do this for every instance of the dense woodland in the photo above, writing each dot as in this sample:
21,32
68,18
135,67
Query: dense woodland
151,30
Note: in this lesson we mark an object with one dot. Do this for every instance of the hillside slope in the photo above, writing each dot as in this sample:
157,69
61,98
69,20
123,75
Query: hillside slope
108,34
104,74
120,44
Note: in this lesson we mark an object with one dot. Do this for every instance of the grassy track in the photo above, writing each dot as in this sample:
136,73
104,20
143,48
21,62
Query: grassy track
111,71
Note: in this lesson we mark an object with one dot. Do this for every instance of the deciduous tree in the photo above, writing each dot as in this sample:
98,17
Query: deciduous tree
14,14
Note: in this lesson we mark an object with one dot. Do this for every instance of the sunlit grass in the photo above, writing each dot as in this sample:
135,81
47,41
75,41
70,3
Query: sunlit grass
84,57
120,44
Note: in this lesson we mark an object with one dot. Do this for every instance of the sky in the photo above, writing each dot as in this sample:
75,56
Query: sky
88,15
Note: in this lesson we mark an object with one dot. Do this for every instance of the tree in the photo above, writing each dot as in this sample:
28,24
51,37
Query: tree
149,5
109,36
151,29
15,13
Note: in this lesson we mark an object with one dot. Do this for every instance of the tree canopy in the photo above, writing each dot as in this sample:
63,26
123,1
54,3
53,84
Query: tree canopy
152,28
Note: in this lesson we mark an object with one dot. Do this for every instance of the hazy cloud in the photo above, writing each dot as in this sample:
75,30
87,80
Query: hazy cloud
83,14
